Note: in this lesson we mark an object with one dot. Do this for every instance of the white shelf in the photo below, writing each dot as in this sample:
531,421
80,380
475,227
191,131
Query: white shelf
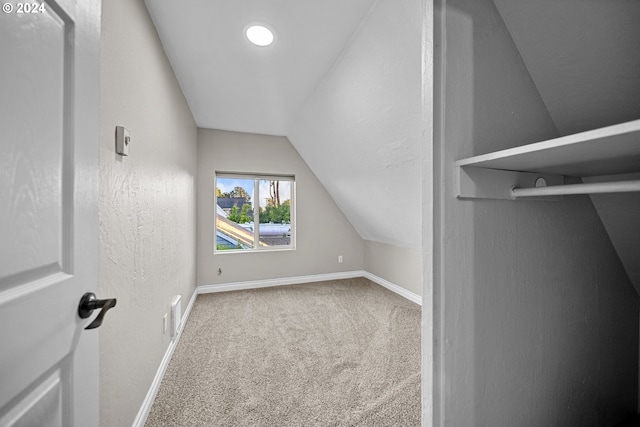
610,150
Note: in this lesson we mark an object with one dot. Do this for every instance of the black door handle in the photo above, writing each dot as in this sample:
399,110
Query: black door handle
88,303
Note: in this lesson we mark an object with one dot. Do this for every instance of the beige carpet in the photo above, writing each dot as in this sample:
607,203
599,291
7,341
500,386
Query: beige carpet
337,353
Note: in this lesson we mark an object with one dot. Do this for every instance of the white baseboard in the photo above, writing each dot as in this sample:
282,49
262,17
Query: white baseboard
394,288
254,284
267,283
143,413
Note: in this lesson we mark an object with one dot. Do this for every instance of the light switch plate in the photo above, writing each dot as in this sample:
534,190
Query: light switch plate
122,141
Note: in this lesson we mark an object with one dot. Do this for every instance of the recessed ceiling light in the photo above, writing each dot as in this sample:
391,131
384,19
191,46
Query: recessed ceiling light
259,35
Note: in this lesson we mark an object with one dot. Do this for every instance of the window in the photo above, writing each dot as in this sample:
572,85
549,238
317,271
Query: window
254,212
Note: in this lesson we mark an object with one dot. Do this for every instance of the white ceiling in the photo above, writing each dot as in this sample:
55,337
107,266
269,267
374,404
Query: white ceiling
231,84
342,82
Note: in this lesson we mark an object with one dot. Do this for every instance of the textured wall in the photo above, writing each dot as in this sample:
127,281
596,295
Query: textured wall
147,206
539,322
400,266
360,131
323,232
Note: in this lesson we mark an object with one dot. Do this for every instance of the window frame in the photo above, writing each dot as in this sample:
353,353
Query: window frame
255,197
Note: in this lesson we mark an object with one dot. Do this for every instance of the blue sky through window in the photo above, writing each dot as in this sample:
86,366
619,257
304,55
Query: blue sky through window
227,185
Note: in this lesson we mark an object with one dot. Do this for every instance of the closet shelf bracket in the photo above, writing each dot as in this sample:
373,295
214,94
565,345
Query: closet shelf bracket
484,183
553,168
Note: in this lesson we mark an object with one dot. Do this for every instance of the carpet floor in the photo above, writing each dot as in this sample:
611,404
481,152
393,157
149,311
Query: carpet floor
335,353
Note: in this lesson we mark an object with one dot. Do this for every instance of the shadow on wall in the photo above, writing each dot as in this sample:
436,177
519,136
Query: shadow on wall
540,318
460,311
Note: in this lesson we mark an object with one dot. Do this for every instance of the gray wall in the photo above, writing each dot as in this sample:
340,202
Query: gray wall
539,318
322,231
147,206
400,266
148,210
619,214
582,56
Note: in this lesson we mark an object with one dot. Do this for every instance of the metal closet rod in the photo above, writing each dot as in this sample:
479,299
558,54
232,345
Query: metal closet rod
570,189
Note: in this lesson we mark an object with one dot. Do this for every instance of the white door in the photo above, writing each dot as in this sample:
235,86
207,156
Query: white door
49,130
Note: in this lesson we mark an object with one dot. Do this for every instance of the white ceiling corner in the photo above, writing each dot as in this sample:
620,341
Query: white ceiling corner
231,84
342,82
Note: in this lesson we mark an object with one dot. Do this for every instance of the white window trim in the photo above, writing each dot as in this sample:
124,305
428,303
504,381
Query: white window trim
256,211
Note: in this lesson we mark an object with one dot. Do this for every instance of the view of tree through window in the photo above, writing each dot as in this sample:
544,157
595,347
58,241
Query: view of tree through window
253,212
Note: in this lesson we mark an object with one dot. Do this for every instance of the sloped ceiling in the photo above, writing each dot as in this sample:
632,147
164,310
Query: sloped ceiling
583,57
360,131
342,82
231,84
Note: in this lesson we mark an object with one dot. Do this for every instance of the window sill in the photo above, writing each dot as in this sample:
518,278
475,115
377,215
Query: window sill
253,251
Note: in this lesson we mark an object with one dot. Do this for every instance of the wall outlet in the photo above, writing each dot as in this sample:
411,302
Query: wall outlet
339,259
164,324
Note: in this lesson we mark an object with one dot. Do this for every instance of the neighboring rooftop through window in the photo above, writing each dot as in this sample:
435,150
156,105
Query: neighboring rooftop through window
244,224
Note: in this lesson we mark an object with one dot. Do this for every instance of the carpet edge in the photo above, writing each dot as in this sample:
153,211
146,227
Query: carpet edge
284,281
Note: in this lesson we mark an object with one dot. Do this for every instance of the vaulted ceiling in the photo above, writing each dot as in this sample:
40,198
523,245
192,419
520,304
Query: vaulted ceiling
231,84
343,83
